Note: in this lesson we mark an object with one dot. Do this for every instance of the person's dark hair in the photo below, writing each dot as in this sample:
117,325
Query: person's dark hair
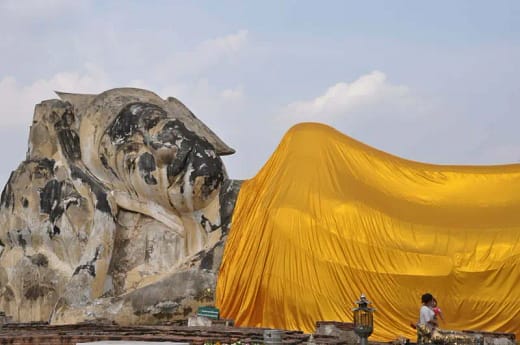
426,298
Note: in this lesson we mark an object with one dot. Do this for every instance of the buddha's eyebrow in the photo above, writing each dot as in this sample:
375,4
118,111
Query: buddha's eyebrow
132,119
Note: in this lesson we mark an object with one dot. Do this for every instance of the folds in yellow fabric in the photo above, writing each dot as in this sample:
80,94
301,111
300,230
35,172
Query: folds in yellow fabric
328,218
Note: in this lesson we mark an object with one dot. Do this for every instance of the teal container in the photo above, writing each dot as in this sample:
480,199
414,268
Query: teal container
209,312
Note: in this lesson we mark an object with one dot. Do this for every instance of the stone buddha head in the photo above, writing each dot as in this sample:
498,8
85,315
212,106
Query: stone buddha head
153,149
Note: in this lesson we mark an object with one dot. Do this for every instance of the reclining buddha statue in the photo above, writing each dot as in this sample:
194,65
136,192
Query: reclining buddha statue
120,211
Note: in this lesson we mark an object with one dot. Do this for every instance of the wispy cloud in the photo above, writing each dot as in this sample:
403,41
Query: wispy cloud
349,99
226,44
17,100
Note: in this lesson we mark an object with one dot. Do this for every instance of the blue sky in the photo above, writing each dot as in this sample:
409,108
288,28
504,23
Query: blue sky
431,81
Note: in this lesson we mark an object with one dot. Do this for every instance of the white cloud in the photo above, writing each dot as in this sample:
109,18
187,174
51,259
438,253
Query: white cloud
369,91
226,44
17,101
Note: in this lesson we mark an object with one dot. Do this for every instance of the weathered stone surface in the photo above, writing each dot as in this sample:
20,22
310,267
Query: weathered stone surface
199,321
341,330
31,334
120,211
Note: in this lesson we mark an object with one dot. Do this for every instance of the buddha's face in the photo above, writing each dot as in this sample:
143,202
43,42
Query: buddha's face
157,157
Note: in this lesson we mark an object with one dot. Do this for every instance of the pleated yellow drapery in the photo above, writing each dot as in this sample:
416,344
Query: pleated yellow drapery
328,218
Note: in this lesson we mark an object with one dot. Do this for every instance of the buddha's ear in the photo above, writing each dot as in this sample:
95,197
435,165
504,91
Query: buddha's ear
181,112
79,101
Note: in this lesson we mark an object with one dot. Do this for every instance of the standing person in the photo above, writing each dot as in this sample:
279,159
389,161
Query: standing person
426,313
427,322
436,310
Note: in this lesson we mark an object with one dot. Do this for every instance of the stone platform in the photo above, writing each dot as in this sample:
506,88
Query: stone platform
42,333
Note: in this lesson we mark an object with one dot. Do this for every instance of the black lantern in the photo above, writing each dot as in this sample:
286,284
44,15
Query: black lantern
363,319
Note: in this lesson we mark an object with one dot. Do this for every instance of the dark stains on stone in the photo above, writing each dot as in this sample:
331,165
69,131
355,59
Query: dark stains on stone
124,125
133,117
90,265
10,239
21,240
72,196
120,261
227,198
186,311
7,198
206,164
96,187
191,150
104,161
172,131
63,115
45,168
130,150
207,260
91,269
68,118
36,291
151,116
176,167
50,200
130,164
39,260
175,134
55,231
204,222
51,204
25,202
148,250
47,164
69,141
147,166
55,198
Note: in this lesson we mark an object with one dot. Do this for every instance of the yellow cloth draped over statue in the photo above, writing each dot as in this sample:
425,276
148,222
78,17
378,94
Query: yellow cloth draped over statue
328,218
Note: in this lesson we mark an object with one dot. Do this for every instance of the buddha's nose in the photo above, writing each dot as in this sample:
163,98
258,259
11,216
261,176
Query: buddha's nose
207,167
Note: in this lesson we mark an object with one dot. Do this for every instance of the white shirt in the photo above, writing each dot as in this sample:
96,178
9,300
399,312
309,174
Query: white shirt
426,315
